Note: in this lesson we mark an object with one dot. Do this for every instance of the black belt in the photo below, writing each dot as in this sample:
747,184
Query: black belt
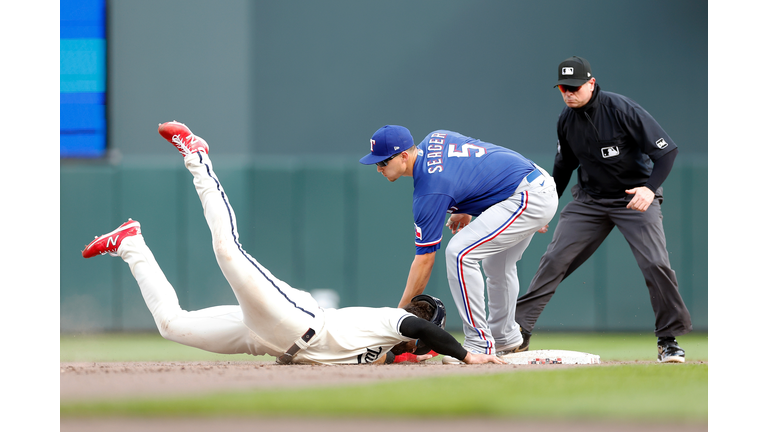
301,343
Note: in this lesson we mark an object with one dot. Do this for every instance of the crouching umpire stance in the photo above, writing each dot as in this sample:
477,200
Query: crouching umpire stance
271,317
623,156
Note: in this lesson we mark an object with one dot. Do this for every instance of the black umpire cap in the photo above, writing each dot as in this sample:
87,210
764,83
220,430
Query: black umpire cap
573,71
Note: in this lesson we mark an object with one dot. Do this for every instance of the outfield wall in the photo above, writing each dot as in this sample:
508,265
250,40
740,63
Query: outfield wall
326,224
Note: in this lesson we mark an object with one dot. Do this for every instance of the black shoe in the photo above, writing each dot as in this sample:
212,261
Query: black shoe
670,351
526,341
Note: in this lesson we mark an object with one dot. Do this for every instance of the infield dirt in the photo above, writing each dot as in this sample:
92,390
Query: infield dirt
98,381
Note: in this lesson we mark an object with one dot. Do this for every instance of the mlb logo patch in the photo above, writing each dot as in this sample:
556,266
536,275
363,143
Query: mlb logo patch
418,231
567,71
609,152
660,143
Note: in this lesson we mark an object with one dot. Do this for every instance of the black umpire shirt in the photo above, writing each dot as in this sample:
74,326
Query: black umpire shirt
612,140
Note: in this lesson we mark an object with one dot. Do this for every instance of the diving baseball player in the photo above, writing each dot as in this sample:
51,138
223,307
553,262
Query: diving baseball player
510,198
271,317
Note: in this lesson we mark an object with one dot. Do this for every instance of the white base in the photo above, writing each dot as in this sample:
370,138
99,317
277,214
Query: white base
550,357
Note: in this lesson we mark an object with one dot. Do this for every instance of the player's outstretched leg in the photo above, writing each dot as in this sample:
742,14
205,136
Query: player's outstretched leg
108,243
271,308
217,329
182,138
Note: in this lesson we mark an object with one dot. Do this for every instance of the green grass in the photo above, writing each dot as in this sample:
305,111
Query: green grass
642,391
152,347
626,392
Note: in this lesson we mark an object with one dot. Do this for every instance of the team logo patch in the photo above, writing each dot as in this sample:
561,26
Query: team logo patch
418,231
567,71
373,143
609,152
660,143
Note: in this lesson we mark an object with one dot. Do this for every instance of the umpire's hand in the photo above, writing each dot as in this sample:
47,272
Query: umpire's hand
642,199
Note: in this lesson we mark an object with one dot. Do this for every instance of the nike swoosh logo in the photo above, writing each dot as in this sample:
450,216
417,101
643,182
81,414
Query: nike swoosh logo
542,183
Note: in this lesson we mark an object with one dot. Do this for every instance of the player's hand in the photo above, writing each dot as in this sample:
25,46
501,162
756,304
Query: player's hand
481,358
642,199
458,221
544,229
413,358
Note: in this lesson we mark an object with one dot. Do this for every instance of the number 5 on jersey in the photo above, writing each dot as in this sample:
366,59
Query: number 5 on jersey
465,150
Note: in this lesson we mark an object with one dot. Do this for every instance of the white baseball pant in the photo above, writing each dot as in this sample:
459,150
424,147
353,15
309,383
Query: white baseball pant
497,238
270,316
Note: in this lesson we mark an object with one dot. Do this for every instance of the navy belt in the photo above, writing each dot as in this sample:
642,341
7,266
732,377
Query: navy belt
533,175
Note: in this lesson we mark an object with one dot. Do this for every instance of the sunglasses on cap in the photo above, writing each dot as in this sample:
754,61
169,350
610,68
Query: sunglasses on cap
384,163
572,89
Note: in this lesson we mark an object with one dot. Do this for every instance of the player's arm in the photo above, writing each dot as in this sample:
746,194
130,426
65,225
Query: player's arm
441,341
421,269
428,216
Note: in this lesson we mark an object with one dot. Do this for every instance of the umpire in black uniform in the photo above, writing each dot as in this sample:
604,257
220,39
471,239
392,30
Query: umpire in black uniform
623,156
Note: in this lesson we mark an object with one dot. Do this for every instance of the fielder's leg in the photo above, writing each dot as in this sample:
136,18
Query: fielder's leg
503,226
503,287
501,269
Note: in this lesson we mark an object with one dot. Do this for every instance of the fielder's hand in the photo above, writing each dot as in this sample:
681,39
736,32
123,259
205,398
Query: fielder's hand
544,229
458,221
642,199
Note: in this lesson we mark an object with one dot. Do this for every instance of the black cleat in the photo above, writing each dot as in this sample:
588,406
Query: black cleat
526,341
670,351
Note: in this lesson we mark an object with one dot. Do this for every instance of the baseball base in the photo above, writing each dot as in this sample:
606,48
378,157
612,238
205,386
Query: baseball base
550,357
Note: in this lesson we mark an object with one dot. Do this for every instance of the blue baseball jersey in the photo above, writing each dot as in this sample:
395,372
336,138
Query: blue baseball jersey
458,174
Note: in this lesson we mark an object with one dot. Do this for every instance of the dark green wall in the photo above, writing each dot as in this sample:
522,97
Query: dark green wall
318,223
288,94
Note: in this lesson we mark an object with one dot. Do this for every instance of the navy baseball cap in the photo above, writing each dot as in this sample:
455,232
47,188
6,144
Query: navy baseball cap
387,141
573,71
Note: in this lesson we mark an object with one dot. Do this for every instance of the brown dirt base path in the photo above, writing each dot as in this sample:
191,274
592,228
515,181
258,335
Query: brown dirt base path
87,381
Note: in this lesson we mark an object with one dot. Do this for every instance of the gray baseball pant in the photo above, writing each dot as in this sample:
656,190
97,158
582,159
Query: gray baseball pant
584,224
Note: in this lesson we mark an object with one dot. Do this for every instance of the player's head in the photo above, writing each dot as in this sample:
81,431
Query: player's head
429,308
575,81
392,151
386,143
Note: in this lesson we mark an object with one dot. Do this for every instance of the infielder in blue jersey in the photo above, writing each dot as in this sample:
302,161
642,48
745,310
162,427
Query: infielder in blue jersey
497,200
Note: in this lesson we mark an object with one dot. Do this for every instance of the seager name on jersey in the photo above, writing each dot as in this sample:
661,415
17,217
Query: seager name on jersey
435,148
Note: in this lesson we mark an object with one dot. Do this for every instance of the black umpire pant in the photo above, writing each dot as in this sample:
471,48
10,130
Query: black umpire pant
584,224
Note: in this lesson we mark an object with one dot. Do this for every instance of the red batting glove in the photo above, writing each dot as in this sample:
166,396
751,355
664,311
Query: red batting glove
405,358
411,358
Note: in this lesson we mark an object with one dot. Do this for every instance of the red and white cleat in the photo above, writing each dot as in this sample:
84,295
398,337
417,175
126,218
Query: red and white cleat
108,243
182,138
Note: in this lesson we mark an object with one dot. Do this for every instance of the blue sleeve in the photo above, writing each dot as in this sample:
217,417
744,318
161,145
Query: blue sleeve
428,218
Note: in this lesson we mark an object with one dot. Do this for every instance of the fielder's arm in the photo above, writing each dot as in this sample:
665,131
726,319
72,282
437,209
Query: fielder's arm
421,269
